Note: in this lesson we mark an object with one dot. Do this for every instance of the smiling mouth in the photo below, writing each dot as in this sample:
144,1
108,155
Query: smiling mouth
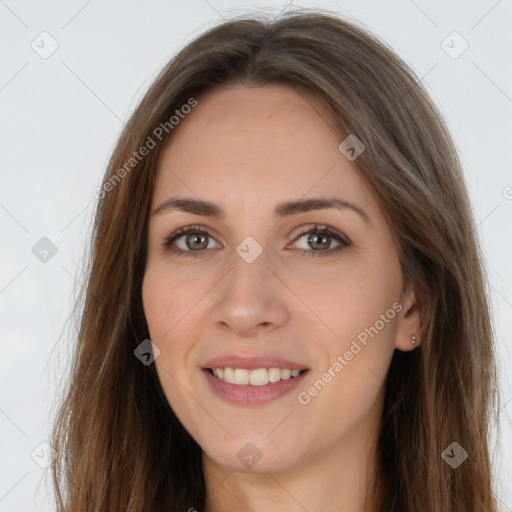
258,377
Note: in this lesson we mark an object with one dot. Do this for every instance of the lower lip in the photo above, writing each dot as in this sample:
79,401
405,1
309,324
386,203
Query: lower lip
252,395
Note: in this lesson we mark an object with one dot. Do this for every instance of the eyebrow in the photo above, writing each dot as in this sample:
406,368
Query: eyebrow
284,209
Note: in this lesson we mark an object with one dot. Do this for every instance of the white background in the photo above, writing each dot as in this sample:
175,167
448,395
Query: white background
61,116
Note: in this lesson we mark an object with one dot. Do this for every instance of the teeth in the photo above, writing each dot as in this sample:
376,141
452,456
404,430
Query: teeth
259,377
229,375
241,376
274,374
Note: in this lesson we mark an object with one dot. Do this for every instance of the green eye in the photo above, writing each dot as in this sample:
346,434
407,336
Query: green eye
319,237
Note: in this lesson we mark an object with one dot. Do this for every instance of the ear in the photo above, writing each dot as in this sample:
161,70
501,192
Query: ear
410,322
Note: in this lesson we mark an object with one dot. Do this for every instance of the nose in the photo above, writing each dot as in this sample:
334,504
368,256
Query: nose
251,298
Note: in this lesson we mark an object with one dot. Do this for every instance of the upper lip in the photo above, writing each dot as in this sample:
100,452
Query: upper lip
252,362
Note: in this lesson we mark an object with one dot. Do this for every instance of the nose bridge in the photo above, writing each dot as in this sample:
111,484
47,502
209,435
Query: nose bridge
251,294
249,278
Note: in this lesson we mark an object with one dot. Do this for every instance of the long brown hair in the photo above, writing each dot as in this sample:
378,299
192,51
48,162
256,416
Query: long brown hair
119,445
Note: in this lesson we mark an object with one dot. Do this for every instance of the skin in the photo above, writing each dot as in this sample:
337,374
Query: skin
247,149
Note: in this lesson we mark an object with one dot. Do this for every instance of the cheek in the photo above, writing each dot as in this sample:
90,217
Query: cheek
165,302
156,305
166,310
173,324
355,324
160,308
350,380
349,300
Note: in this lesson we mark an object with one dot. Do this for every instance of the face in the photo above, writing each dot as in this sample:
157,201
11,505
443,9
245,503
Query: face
261,288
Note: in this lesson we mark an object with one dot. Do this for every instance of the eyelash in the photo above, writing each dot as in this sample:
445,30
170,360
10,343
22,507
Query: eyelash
325,230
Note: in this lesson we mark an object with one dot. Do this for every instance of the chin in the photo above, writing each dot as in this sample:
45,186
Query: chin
251,454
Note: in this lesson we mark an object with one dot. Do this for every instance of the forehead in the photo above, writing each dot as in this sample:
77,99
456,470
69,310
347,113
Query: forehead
257,145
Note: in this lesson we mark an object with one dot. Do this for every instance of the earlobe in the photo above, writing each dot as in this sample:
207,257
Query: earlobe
411,344
409,330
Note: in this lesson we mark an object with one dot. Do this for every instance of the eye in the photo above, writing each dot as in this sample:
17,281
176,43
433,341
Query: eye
319,238
192,240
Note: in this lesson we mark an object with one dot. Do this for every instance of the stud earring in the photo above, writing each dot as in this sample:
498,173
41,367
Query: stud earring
413,339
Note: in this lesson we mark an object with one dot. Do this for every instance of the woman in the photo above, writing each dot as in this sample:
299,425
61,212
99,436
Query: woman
285,305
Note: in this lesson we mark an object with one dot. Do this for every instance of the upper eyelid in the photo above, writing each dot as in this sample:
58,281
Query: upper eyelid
182,231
